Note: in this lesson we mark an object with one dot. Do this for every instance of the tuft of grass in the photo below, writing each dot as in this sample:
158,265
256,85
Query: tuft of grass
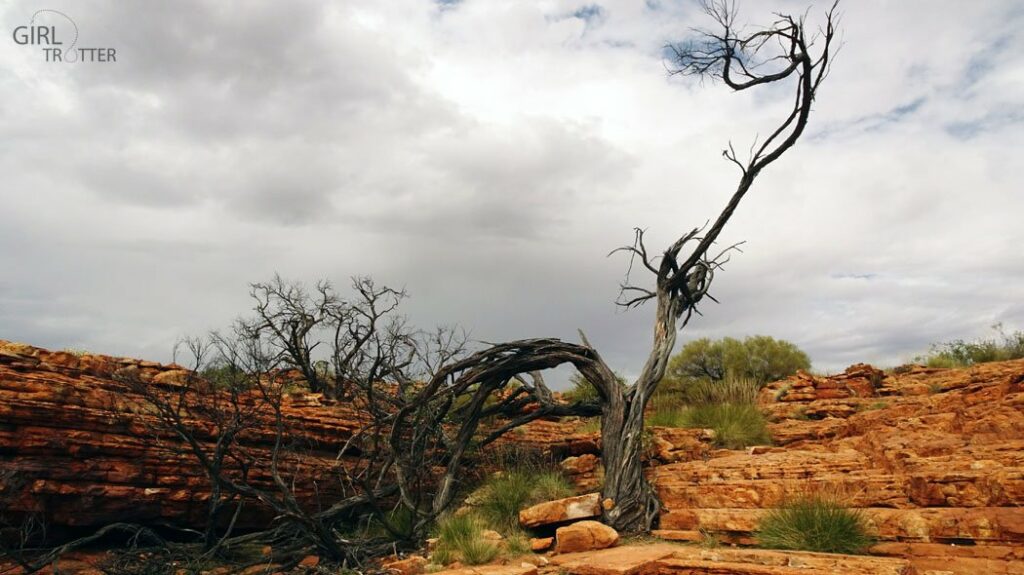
960,353
478,551
814,523
665,411
505,495
460,537
667,418
452,530
736,426
944,361
729,390
442,555
517,544
549,485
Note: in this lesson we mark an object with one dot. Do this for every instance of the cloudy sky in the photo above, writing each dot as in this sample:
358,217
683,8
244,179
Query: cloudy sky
488,154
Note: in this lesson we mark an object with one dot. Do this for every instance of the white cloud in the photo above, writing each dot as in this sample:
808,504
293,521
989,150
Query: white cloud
487,155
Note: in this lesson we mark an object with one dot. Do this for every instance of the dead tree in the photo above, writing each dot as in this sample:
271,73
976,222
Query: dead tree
783,52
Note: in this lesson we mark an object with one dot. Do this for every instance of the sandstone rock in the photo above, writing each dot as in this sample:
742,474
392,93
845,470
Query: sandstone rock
580,464
561,510
82,445
624,560
585,471
538,544
584,536
942,468
410,566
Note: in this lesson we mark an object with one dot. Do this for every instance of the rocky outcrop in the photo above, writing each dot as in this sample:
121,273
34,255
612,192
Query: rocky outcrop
934,458
79,448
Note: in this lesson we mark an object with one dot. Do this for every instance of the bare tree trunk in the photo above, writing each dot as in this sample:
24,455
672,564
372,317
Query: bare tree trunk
633,504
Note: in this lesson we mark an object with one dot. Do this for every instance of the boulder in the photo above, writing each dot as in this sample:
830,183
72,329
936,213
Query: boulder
561,510
584,536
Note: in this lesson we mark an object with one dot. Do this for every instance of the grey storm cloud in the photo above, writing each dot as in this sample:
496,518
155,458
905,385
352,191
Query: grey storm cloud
486,155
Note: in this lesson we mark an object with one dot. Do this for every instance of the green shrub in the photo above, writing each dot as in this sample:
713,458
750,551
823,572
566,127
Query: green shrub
503,496
736,425
761,358
814,523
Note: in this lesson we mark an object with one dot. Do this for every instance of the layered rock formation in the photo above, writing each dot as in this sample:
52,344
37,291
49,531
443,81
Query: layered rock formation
79,447
934,458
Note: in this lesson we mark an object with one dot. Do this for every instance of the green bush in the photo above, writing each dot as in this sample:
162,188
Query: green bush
960,353
814,523
736,425
758,357
503,496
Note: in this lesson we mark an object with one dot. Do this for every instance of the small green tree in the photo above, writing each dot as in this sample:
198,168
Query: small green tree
760,358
